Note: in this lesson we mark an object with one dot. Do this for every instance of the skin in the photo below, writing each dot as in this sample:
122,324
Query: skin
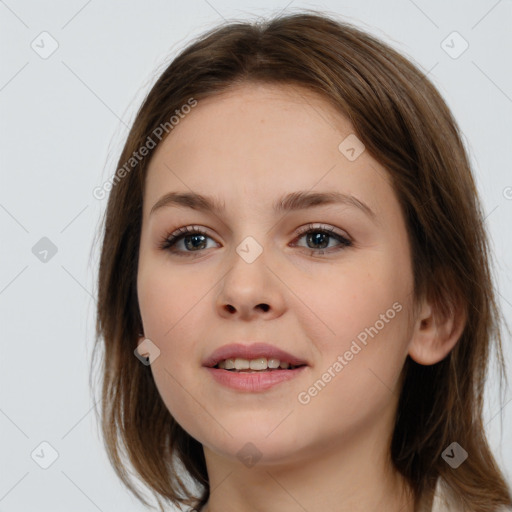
248,147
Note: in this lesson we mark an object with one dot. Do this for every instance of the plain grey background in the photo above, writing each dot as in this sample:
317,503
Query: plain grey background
73,75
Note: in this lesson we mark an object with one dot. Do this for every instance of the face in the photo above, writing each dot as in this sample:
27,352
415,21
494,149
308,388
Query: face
328,282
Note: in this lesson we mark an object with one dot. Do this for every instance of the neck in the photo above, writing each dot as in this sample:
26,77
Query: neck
356,475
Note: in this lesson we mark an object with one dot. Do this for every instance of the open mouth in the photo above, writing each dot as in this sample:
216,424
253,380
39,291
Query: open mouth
261,364
256,372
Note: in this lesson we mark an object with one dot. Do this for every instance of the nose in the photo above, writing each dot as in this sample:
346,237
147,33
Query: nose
250,290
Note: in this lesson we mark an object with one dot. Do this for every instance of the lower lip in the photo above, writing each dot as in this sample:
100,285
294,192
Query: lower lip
254,382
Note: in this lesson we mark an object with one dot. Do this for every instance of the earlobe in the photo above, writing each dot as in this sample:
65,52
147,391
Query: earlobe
435,333
140,339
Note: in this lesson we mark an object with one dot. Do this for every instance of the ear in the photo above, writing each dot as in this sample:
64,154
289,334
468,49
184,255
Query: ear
436,332
139,341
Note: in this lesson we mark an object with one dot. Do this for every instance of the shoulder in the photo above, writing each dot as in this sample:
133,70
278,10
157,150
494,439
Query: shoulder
443,502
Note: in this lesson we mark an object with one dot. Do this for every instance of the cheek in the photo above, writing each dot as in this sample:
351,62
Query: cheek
360,360
170,305
169,300
365,295
357,376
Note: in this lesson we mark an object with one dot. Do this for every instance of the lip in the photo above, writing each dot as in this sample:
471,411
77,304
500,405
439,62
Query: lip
253,351
257,381
254,382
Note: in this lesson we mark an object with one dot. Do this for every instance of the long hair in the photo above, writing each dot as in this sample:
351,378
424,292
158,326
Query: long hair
407,127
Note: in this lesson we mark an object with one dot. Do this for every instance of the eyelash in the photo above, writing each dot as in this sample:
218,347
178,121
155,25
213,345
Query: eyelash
170,240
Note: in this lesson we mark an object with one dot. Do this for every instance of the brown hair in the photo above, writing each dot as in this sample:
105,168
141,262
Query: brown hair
406,126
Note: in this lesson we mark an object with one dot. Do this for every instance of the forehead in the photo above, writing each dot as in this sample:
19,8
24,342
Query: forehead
260,141
244,119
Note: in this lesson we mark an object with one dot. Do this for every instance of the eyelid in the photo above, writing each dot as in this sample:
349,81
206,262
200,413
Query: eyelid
176,234
321,227
299,231
170,239
344,239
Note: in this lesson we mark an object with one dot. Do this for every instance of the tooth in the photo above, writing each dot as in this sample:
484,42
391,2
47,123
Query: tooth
241,364
258,364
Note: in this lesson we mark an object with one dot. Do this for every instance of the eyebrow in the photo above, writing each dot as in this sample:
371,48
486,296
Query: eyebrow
291,202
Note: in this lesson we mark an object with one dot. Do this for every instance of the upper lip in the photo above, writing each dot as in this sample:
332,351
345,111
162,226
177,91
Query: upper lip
253,351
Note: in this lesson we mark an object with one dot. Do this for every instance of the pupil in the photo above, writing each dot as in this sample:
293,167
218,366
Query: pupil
194,245
316,237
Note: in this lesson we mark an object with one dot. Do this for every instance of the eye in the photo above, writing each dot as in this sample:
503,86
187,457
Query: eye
320,236
195,239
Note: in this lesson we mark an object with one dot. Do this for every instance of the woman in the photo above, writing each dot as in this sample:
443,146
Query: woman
295,252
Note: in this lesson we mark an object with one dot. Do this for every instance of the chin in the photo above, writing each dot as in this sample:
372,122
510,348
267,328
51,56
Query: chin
248,443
